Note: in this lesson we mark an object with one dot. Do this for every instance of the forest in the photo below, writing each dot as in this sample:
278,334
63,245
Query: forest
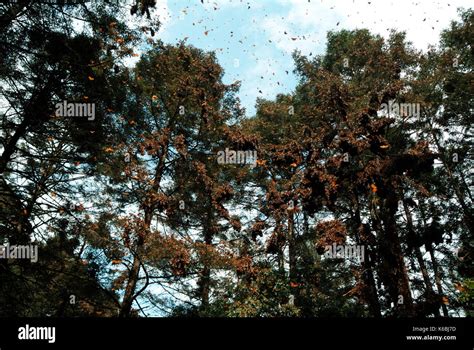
148,190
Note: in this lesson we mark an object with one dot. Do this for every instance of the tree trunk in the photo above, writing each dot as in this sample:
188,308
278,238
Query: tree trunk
11,145
439,287
370,292
394,272
205,278
134,273
291,247
416,250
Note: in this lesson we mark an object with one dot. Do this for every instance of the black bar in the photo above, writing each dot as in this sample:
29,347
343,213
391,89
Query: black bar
242,333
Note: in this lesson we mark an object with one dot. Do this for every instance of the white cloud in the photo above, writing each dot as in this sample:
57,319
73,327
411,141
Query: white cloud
423,20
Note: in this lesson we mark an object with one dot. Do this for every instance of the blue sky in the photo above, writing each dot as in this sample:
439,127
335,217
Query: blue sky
254,40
